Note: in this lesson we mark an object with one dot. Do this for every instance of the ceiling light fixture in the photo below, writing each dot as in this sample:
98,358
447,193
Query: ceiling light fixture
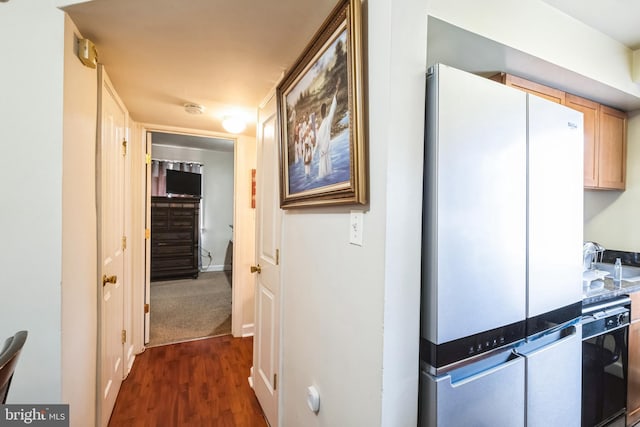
192,108
233,124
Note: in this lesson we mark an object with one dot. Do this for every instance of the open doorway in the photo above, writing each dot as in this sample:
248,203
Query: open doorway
191,211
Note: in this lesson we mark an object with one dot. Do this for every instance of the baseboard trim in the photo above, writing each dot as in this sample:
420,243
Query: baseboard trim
247,330
219,267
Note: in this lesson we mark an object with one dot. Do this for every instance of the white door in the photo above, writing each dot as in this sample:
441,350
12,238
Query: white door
266,341
111,246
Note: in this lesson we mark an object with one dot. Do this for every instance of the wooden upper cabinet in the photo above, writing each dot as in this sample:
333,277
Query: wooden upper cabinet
590,110
533,88
612,149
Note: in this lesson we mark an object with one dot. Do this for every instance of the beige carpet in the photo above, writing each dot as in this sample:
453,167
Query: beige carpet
186,309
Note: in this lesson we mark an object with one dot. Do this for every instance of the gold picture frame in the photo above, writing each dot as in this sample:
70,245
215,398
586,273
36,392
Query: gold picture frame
321,117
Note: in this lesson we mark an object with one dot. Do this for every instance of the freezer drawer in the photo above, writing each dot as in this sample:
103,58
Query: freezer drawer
489,393
554,378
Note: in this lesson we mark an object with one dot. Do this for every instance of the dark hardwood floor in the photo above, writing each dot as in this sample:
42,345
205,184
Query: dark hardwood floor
196,383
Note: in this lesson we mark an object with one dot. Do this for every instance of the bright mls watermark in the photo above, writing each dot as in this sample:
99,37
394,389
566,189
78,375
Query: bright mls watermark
34,415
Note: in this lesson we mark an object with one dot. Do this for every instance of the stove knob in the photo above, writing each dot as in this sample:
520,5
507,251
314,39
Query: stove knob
621,318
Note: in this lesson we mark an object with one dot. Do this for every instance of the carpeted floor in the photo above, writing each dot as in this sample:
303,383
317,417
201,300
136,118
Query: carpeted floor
186,309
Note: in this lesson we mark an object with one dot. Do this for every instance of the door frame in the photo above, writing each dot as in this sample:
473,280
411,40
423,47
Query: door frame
237,327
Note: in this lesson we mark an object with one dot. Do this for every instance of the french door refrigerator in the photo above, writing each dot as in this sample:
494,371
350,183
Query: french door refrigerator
502,256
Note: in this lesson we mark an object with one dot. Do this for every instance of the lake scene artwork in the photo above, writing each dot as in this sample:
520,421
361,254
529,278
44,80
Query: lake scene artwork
318,135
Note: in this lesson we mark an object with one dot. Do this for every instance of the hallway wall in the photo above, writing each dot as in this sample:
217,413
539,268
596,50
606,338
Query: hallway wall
31,139
351,313
79,243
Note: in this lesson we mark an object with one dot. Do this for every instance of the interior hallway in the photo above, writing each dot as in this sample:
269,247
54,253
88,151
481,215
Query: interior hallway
196,383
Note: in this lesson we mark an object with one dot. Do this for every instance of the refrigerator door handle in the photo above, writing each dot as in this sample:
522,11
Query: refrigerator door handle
479,370
565,325
548,341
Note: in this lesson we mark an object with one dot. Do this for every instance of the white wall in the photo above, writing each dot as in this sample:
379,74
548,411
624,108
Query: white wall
538,29
403,136
217,206
31,135
350,313
79,244
611,218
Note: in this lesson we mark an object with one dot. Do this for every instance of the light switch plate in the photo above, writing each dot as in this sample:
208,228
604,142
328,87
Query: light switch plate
356,225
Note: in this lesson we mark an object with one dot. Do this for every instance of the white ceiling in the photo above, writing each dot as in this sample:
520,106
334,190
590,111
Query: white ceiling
619,19
228,54
223,54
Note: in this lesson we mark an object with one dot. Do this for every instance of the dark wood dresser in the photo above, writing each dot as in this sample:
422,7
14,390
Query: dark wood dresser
174,237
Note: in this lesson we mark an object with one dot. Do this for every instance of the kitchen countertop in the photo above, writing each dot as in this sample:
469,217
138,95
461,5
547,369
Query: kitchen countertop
609,291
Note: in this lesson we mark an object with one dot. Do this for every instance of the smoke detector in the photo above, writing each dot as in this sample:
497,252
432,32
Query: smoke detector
193,108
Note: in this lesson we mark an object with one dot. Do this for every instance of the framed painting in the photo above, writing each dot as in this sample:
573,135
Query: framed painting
321,117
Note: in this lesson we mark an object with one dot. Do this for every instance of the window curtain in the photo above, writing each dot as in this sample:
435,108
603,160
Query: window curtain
159,173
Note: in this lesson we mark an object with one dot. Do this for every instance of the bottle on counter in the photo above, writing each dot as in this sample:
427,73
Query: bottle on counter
617,272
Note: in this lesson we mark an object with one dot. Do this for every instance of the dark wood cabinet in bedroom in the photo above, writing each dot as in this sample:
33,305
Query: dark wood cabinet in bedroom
174,237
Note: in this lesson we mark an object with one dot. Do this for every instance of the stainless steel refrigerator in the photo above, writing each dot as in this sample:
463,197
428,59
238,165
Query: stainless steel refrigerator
502,256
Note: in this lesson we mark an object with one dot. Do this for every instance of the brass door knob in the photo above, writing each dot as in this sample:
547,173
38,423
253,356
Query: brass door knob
256,269
109,279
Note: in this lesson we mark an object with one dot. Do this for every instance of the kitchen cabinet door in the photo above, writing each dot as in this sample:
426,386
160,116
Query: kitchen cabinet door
590,110
546,92
612,148
635,306
633,384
